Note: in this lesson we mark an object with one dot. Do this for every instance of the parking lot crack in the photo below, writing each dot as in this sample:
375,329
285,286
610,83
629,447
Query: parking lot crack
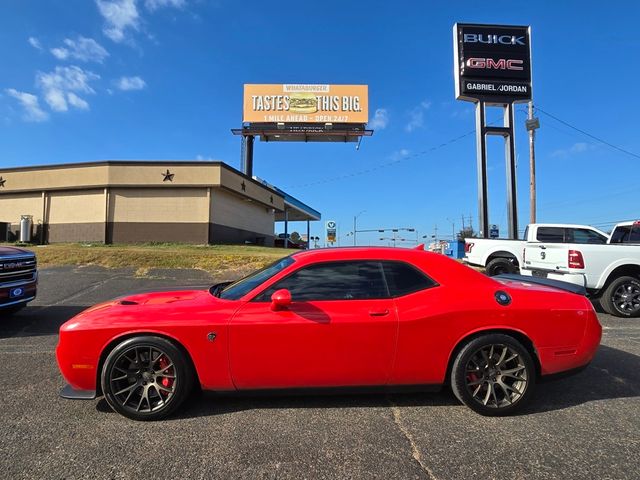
415,452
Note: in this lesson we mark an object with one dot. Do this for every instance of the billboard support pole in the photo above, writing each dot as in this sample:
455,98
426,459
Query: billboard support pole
247,155
507,132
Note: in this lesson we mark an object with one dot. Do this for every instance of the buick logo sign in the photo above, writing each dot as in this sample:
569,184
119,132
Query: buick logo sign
493,39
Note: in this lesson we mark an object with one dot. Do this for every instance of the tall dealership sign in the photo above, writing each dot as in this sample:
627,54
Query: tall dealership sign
493,68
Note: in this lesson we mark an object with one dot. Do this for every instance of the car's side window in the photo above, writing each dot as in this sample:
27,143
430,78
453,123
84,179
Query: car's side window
404,279
353,280
550,234
582,236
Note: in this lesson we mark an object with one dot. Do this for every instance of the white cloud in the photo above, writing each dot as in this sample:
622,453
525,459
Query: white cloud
380,119
84,49
400,154
202,158
58,87
119,15
131,83
76,101
576,148
155,4
35,43
30,104
416,116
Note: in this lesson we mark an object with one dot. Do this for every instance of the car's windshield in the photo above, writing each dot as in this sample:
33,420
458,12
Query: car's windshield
238,289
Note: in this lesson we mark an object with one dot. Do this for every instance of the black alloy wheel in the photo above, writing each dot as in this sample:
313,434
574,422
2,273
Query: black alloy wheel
146,378
493,375
622,297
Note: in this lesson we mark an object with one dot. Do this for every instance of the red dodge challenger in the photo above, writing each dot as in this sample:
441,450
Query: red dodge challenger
339,317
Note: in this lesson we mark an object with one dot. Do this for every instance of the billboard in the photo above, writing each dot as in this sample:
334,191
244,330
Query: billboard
305,103
332,230
492,62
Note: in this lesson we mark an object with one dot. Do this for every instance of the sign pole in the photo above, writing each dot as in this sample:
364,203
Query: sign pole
481,150
510,158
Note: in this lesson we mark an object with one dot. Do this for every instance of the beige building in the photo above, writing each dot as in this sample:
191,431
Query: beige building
124,201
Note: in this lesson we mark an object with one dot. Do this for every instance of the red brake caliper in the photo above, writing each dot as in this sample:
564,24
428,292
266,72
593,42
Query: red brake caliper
166,382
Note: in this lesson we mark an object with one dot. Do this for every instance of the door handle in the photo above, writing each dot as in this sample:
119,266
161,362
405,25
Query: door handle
379,313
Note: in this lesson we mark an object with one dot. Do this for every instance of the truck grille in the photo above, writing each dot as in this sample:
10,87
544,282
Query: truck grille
17,269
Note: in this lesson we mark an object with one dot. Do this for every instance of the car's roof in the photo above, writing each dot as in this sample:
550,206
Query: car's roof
341,253
440,267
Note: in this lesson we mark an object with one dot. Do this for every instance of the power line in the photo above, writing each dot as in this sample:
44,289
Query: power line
392,162
598,139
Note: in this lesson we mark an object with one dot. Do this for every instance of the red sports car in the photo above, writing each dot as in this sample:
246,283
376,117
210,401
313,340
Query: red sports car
339,317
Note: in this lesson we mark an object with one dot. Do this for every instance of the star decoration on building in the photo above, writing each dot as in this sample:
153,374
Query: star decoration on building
243,186
168,176
2,182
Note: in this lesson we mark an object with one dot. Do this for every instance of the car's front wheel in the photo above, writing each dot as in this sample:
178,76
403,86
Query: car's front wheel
493,375
146,378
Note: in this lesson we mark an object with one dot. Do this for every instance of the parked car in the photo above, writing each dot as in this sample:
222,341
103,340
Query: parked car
626,232
329,318
500,256
18,279
610,273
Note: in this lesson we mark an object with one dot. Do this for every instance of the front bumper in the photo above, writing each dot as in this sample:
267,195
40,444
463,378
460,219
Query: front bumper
74,394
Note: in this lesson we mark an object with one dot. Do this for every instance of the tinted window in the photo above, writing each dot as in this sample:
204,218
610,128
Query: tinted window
626,234
581,235
240,288
550,234
403,278
332,281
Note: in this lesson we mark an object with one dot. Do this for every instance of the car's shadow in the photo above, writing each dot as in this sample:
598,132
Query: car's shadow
36,321
613,374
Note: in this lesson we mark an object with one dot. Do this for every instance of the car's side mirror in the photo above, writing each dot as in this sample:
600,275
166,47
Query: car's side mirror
280,300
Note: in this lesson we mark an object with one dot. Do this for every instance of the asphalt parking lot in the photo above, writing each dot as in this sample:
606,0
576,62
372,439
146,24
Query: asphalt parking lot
585,426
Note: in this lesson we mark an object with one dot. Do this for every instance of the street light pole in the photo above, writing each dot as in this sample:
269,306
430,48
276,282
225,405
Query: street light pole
531,124
355,218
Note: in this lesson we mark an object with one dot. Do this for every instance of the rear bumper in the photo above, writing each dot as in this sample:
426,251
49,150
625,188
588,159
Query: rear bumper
556,361
74,394
575,278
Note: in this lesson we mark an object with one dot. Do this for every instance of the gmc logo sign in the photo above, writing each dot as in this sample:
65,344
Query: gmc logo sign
491,64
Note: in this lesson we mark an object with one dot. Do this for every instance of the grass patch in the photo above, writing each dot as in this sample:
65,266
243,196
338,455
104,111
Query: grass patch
215,259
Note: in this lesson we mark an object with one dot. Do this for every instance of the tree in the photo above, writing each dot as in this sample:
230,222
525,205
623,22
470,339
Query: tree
466,232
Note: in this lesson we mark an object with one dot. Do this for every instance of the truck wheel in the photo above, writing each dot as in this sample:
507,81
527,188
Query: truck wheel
622,297
498,266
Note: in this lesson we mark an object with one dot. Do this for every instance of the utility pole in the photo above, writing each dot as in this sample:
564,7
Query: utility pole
532,124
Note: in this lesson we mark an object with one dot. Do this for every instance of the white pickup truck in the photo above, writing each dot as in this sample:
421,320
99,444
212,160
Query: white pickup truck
609,272
499,256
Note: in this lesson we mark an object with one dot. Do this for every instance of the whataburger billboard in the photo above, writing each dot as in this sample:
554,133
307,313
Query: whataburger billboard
492,62
302,103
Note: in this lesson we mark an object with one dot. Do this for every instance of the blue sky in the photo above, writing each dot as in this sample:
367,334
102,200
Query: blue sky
162,79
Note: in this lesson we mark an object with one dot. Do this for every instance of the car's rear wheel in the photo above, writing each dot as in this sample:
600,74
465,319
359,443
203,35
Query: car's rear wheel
146,378
499,266
493,375
622,297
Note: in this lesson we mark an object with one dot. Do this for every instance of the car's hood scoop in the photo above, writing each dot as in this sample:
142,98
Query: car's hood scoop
162,298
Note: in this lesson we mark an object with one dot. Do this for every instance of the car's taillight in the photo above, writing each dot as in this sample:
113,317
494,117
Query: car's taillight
575,259
467,247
